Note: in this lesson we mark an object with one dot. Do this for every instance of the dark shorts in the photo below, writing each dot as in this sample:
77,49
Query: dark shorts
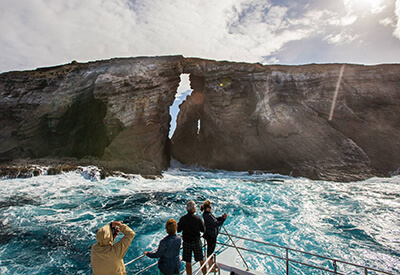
194,247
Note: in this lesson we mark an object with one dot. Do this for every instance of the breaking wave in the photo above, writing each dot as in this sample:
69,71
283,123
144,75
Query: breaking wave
48,223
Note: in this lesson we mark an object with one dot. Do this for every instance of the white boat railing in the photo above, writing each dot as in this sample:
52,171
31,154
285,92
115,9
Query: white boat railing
233,243
154,264
289,260
286,258
212,268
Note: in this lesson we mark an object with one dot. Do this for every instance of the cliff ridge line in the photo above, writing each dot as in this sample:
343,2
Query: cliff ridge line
115,114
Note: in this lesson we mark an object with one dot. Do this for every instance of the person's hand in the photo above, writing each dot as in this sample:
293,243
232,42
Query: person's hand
145,253
114,224
117,229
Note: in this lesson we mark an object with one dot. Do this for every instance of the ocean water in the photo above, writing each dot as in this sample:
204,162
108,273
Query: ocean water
48,223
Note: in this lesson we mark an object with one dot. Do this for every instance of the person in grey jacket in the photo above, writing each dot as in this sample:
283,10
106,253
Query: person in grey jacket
168,251
212,226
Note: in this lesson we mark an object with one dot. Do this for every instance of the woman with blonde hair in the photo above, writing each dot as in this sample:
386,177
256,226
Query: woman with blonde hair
212,227
168,251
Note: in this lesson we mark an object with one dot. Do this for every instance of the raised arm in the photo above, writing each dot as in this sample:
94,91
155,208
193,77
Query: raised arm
122,245
221,219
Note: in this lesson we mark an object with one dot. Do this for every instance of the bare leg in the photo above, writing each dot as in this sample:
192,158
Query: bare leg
211,262
204,269
188,268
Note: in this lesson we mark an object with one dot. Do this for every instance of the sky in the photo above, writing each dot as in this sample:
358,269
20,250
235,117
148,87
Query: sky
183,90
40,33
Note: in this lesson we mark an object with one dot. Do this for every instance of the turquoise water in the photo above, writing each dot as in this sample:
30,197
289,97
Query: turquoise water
48,223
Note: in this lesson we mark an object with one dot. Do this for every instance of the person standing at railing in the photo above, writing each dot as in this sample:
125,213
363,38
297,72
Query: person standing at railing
191,225
107,257
212,227
168,251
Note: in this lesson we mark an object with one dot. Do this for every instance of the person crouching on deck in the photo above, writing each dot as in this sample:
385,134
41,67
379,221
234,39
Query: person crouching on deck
168,251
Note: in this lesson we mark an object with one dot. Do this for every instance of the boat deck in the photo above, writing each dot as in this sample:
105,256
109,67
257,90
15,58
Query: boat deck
229,259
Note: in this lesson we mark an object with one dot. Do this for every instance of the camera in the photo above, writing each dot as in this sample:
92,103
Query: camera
114,229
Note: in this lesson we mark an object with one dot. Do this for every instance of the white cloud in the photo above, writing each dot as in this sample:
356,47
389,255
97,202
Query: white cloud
184,86
377,6
341,38
41,32
363,7
387,22
318,20
396,31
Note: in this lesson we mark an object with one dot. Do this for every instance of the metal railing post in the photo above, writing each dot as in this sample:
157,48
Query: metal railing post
366,270
219,270
215,264
205,247
287,261
334,267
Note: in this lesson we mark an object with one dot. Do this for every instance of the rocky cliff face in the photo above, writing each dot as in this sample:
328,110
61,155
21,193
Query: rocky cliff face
112,113
115,114
275,118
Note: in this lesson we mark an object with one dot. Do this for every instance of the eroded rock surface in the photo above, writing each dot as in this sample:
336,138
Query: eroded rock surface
275,118
115,114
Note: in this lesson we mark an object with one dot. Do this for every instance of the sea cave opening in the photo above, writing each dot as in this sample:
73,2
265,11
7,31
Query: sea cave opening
182,91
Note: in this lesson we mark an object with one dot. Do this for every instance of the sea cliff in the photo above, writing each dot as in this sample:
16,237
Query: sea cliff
115,114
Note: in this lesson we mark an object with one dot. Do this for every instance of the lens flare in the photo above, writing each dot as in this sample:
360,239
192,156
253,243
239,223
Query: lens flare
336,92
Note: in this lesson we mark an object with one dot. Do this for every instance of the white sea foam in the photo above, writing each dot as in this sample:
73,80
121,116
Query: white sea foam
56,217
